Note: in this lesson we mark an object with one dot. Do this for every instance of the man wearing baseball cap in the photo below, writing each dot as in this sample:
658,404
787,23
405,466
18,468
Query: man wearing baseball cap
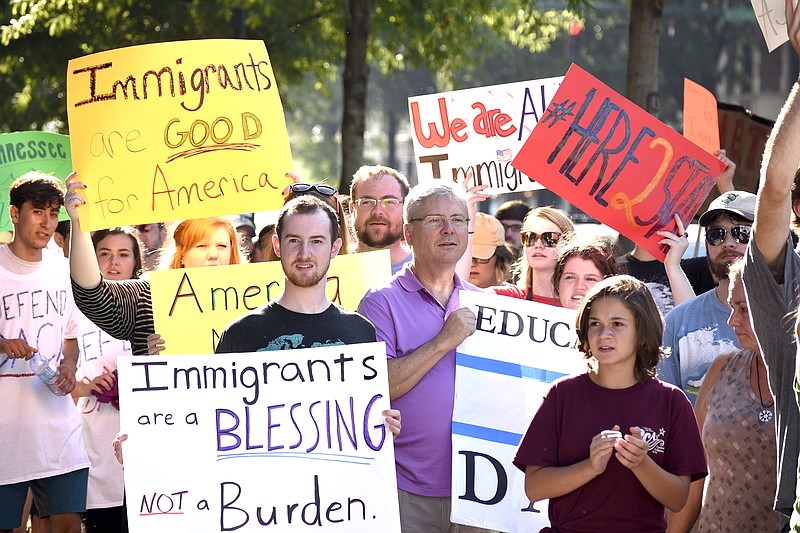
697,331
491,256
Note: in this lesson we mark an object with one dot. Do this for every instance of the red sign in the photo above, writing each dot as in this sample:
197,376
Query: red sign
614,161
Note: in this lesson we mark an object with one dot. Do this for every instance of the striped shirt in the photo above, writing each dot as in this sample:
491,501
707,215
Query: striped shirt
123,309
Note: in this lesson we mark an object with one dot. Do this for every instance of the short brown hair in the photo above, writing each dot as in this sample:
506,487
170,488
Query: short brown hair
635,295
596,250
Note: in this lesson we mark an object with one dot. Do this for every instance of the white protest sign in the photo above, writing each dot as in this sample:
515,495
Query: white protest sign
771,17
478,132
293,439
503,371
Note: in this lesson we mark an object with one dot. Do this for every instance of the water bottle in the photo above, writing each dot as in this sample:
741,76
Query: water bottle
40,366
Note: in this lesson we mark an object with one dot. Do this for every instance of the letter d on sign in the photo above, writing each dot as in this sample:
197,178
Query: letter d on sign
502,479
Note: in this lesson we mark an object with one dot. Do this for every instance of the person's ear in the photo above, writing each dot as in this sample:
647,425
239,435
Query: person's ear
13,212
276,244
337,245
407,233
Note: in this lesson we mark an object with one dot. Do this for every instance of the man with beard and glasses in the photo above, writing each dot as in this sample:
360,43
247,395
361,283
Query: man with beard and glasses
377,193
697,331
306,239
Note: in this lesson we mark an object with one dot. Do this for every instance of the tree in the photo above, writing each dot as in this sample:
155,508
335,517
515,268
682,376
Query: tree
643,45
313,37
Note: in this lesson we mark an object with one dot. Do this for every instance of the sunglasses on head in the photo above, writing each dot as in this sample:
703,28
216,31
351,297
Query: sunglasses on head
549,238
325,190
716,235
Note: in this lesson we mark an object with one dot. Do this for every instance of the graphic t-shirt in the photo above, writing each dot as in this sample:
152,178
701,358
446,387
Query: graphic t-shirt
40,433
273,327
576,409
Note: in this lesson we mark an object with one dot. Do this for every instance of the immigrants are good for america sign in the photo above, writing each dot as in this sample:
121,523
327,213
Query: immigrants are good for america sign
503,371
292,439
177,130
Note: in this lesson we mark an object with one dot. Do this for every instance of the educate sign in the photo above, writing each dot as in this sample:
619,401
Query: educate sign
177,130
23,151
503,371
475,133
614,161
192,306
292,439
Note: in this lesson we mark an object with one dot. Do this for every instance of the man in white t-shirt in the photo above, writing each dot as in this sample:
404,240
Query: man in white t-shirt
41,437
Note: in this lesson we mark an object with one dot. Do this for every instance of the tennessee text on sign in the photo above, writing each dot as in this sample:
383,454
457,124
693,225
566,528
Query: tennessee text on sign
292,439
23,151
177,130
192,306
477,132
614,161
503,371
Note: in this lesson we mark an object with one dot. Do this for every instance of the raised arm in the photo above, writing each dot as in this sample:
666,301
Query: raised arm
778,168
678,243
82,259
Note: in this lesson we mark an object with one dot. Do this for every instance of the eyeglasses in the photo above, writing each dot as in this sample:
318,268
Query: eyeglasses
479,261
516,228
437,221
549,238
716,235
324,190
371,203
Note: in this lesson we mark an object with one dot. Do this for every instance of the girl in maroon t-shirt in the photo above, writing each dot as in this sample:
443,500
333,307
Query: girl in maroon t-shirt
613,447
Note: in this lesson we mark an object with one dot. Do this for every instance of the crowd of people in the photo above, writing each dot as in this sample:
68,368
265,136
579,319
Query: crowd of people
689,422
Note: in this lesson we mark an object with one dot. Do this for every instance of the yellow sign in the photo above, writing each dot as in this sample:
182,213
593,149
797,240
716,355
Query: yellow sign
192,306
177,130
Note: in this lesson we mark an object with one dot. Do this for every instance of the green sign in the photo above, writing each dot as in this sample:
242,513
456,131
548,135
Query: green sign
23,151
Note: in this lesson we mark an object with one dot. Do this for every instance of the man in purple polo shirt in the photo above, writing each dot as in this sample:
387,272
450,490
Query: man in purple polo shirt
417,315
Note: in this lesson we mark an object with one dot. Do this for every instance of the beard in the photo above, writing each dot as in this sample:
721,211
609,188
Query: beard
719,267
372,236
306,279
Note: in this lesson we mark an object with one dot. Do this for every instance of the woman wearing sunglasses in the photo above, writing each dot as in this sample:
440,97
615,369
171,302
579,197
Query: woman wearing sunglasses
542,230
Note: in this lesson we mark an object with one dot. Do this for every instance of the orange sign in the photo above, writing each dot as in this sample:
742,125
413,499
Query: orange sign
700,120
615,162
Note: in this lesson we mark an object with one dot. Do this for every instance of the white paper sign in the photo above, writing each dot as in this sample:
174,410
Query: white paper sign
292,439
771,17
478,132
503,371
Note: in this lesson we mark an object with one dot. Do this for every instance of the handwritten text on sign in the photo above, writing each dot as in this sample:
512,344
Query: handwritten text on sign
617,163
477,132
177,130
503,371
192,306
23,151
293,439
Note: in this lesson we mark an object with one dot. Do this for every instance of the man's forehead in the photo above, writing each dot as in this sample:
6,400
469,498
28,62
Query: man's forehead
379,186
437,205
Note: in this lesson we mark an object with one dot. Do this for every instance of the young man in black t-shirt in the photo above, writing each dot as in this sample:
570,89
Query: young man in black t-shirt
306,239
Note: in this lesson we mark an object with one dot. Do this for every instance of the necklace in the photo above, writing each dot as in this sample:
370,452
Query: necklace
765,416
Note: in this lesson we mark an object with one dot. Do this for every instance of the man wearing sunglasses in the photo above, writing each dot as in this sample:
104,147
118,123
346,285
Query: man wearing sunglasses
697,331
771,278
378,193
418,315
